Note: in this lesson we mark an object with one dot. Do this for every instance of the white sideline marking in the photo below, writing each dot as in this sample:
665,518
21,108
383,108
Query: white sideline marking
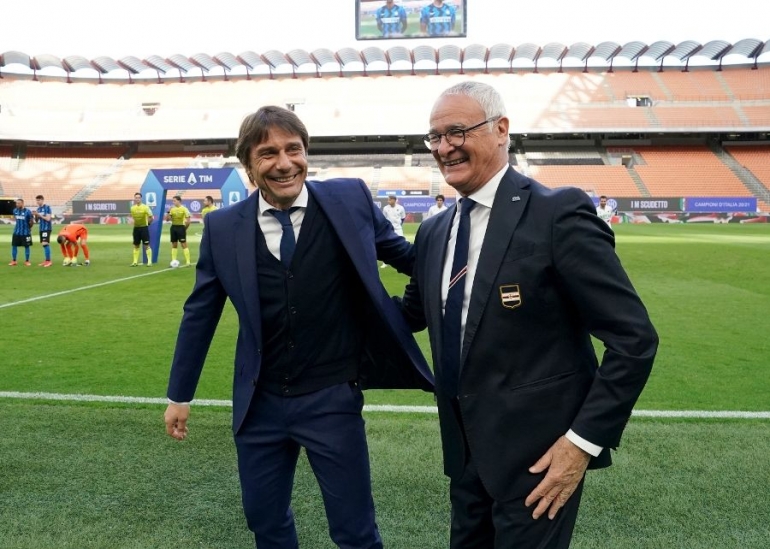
694,414
73,290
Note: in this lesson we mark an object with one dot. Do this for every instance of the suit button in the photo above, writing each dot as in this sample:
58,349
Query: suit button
289,274
285,390
293,310
290,345
259,351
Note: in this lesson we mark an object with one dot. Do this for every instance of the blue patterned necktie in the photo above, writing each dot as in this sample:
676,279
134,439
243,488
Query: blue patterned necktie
288,243
453,308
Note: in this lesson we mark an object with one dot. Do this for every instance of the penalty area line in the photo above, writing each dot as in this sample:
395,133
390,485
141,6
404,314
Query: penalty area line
687,414
73,290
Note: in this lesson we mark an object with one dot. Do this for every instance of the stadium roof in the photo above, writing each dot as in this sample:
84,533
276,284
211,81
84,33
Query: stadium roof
423,58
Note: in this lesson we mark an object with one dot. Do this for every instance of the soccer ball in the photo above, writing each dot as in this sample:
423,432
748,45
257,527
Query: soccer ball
66,262
174,264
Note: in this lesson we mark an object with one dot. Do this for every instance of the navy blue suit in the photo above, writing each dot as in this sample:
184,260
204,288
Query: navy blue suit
547,279
227,268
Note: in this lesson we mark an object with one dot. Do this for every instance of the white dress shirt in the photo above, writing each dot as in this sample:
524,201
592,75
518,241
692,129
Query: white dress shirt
272,228
484,198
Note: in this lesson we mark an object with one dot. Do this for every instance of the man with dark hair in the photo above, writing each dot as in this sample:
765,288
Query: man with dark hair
44,217
22,232
294,258
179,216
438,19
604,210
437,208
208,206
142,216
70,236
391,19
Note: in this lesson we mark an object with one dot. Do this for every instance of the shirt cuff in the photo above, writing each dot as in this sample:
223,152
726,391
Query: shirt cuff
583,444
178,403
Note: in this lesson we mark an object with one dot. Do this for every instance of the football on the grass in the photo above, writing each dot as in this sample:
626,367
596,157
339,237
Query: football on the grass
174,264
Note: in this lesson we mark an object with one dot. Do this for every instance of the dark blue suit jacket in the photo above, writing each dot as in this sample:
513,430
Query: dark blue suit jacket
227,268
547,279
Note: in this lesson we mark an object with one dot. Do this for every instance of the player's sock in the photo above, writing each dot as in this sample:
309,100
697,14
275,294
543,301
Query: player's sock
186,252
14,252
148,251
26,253
47,251
136,255
173,254
86,253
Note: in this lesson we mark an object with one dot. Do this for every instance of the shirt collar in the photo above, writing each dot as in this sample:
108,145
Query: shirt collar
485,195
299,202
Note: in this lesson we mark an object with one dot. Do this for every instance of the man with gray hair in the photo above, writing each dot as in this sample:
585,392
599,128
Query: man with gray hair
511,287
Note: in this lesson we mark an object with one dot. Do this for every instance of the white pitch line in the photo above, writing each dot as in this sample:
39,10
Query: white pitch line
688,414
73,290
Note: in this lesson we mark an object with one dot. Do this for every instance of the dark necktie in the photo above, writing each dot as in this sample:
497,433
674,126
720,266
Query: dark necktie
453,308
288,243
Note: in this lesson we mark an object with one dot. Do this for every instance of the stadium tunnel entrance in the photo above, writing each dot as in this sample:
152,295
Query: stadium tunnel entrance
158,182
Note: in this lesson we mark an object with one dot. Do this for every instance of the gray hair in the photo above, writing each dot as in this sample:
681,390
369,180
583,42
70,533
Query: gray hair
485,95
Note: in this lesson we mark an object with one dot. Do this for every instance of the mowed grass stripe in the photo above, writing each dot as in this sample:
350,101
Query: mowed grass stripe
76,476
80,288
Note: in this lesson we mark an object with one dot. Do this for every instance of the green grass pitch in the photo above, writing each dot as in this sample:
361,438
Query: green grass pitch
97,475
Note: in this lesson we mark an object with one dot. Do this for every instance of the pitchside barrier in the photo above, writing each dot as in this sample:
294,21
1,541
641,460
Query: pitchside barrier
628,210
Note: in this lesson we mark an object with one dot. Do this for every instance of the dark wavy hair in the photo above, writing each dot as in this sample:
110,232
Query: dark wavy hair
255,127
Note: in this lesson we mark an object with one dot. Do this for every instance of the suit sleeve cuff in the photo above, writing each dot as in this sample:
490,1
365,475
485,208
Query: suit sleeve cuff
178,403
583,444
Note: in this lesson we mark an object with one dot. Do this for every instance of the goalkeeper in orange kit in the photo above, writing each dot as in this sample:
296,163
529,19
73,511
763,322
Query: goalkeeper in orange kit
69,238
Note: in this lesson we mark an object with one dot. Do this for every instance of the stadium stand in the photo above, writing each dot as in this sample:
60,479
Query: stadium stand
642,111
686,171
573,157
747,85
405,178
694,85
756,159
597,180
624,84
703,117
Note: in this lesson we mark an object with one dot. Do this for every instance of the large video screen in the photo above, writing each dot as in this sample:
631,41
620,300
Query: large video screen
385,20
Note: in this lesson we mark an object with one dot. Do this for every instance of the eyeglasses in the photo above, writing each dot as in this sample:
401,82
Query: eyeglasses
454,137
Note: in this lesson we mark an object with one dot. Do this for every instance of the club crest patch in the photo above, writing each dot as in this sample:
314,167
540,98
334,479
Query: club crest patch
510,296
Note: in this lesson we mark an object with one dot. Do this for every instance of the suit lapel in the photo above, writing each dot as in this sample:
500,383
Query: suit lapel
344,225
506,212
433,279
246,261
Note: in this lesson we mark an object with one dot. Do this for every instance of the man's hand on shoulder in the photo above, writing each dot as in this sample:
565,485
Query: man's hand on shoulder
176,420
566,465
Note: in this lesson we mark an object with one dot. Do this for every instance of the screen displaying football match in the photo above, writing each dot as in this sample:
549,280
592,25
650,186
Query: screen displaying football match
392,19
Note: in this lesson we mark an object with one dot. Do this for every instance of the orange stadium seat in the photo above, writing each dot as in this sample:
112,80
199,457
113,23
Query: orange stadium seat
694,85
756,159
610,180
747,84
624,84
687,171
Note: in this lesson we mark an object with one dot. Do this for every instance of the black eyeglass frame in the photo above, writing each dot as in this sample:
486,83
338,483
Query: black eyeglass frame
433,140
